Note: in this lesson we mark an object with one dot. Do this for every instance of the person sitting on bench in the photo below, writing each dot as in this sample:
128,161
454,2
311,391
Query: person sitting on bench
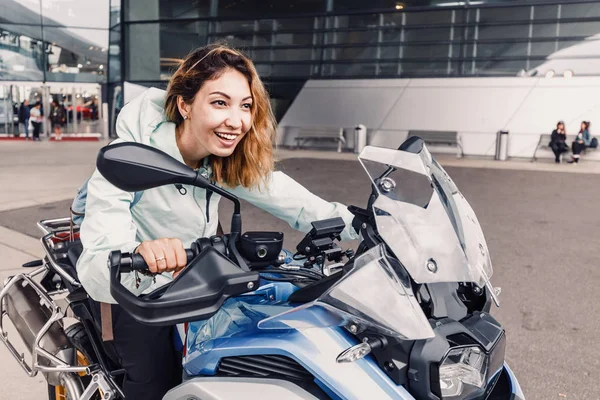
558,141
582,141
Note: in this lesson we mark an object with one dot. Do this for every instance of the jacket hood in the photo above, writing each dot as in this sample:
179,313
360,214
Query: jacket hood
143,120
146,113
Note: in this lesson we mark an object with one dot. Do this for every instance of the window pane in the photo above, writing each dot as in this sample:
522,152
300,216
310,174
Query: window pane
76,55
139,10
284,55
25,12
114,55
282,39
357,21
243,40
503,32
228,8
542,48
425,51
429,18
579,28
352,37
580,10
296,70
391,35
299,24
491,68
388,69
501,49
115,12
21,52
236,26
426,35
545,12
354,69
427,69
503,14
352,53
80,13
544,30
183,8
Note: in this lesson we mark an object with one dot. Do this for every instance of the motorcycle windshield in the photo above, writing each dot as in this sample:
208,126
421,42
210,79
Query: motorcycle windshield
374,295
424,219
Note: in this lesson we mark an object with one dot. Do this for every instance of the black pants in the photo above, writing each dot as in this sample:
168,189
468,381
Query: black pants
578,148
558,148
36,130
147,354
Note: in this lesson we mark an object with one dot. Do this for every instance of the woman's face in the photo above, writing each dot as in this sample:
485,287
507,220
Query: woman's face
220,115
583,126
561,127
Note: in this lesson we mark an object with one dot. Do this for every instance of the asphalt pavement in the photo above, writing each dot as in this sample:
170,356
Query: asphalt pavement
541,228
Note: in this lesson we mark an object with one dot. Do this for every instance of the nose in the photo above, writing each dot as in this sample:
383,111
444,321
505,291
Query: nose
234,121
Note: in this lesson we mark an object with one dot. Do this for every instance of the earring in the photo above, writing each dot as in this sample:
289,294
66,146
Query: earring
185,117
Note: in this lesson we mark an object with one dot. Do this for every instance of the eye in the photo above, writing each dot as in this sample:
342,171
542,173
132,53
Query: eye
247,106
219,103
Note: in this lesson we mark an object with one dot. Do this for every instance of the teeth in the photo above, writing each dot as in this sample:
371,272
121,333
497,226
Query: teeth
226,136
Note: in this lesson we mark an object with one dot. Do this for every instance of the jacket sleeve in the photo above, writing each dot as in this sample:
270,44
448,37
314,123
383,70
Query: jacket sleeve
587,138
286,199
108,226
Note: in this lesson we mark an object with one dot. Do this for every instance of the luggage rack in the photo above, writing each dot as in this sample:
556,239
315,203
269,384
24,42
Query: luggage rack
58,230
58,371
53,229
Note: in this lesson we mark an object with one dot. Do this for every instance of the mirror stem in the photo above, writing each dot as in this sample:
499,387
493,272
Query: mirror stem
236,219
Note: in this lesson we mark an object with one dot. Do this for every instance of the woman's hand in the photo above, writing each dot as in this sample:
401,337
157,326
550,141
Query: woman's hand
163,255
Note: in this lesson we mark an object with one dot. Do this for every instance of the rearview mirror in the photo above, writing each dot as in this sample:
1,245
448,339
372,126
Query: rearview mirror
135,167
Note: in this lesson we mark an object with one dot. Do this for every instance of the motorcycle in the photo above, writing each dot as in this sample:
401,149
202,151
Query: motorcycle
406,316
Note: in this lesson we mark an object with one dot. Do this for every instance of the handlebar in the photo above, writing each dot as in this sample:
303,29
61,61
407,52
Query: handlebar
135,262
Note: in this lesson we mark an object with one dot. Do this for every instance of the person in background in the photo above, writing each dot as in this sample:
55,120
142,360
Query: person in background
582,141
558,141
57,118
36,120
24,115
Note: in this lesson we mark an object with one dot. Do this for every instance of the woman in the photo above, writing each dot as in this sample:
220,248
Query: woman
57,119
582,141
558,141
36,120
214,116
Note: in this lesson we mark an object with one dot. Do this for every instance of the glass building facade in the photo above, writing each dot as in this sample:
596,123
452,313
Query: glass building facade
292,41
142,41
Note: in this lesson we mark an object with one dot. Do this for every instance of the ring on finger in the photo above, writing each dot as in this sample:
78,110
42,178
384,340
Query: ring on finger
159,258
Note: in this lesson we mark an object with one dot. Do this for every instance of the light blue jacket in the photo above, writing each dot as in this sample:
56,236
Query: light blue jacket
110,223
585,136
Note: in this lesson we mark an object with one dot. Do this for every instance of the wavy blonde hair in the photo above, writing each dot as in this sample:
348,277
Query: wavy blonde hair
252,160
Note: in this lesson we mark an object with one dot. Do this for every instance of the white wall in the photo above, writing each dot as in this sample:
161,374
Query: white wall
477,108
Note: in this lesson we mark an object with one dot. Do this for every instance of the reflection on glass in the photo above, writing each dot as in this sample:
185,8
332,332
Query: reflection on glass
228,8
21,53
114,55
115,12
80,13
78,55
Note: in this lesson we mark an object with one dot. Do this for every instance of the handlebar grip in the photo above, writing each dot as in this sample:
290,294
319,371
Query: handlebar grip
135,262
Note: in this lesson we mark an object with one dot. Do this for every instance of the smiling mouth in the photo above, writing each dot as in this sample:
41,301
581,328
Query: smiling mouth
227,136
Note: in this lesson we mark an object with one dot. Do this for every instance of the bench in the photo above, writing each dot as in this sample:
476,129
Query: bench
309,134
449,138
544,143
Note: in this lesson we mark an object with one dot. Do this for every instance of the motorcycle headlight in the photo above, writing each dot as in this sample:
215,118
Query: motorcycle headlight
462,361
463,371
